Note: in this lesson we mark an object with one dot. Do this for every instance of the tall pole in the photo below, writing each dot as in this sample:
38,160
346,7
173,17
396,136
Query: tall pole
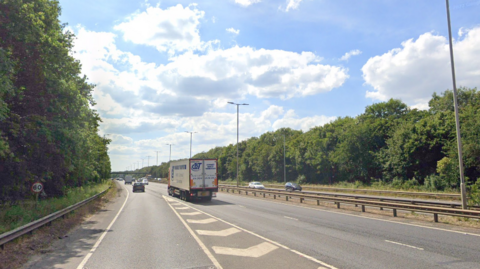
191,134
157,156
237,131
170,158
284,166
457,121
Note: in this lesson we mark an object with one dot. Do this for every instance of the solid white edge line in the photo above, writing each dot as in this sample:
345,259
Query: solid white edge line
85,260
363,217
289,218
205,249
401,244
266,239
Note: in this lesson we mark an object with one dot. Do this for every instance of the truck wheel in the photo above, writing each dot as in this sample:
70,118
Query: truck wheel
208,199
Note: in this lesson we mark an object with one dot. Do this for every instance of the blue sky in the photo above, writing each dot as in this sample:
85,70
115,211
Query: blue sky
163,68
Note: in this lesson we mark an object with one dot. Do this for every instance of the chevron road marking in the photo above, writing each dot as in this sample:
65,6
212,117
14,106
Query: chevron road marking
190,214
225,232
181,208
255,251
202,221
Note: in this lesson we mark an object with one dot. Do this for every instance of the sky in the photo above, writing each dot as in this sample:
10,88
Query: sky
165,68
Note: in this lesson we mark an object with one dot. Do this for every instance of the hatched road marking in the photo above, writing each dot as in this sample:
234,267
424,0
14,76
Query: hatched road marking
201,221
405,245
255,251
191,214
225,232
326,265
182,208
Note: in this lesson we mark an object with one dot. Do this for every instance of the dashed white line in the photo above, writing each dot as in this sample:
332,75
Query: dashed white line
290,218
401,244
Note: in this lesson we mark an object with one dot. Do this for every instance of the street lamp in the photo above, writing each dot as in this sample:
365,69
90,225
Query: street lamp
457,121
170,158
284,166
191,134
157,156
237,131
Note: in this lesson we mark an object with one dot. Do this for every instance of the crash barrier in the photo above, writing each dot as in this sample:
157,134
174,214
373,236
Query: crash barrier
383,192
47,220
432,207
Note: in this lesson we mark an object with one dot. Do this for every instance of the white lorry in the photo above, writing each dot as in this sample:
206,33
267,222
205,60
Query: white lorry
193,179
128,180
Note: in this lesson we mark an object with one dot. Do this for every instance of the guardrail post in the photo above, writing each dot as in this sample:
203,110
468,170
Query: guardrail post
286,197
255,193
394,212
381,208
318,202
274,196
363,208
2,247
301,200
435,217
263,195
246,192
338,204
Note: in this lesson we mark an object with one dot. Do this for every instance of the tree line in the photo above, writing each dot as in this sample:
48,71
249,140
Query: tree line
48,130
389,143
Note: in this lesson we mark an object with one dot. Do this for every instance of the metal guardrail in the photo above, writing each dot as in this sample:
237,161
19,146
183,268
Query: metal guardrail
376,198
28,228
435,210
426,194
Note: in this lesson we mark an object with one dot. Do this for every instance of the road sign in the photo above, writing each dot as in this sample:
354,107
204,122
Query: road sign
37,187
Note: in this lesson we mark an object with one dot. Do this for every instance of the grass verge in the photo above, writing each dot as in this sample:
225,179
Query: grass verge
19,251
12,217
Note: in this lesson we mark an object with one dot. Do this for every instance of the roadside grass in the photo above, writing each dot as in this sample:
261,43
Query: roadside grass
14,216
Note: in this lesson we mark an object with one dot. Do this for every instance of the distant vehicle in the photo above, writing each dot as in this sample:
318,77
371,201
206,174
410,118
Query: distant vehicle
289,186
129,180
120,179
145,181
138,186
193,179
256,185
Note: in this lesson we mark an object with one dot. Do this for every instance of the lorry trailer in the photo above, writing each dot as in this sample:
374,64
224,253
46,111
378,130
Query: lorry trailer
193,179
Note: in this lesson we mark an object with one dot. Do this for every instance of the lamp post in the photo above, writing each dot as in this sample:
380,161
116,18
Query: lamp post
237,130
157,156
191,134
170,157
457,122
284,165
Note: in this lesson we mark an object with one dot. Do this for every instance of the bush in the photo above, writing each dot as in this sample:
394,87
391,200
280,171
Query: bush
434,183
411,184
397,183
301,179
358,184
474,194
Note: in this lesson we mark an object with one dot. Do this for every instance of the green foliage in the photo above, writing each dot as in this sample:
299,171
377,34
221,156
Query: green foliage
48,131
474,194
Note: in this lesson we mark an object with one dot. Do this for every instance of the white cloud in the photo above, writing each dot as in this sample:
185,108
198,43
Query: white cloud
349,54
412,73
246,3
291,120
292,4
233,31
172,29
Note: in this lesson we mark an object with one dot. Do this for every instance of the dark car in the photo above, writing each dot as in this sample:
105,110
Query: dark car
138,186
289,186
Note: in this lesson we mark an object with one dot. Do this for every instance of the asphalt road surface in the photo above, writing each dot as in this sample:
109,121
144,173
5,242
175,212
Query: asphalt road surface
154,230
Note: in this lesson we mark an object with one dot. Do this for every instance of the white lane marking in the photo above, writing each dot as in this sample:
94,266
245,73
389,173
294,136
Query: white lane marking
363,217
85,260
205,249
201,221
289,218
225,232
268,240
254,252
182,208
405,245
241,206
191,214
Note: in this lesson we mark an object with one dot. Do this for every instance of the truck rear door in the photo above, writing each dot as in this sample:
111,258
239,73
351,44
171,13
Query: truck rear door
199,168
